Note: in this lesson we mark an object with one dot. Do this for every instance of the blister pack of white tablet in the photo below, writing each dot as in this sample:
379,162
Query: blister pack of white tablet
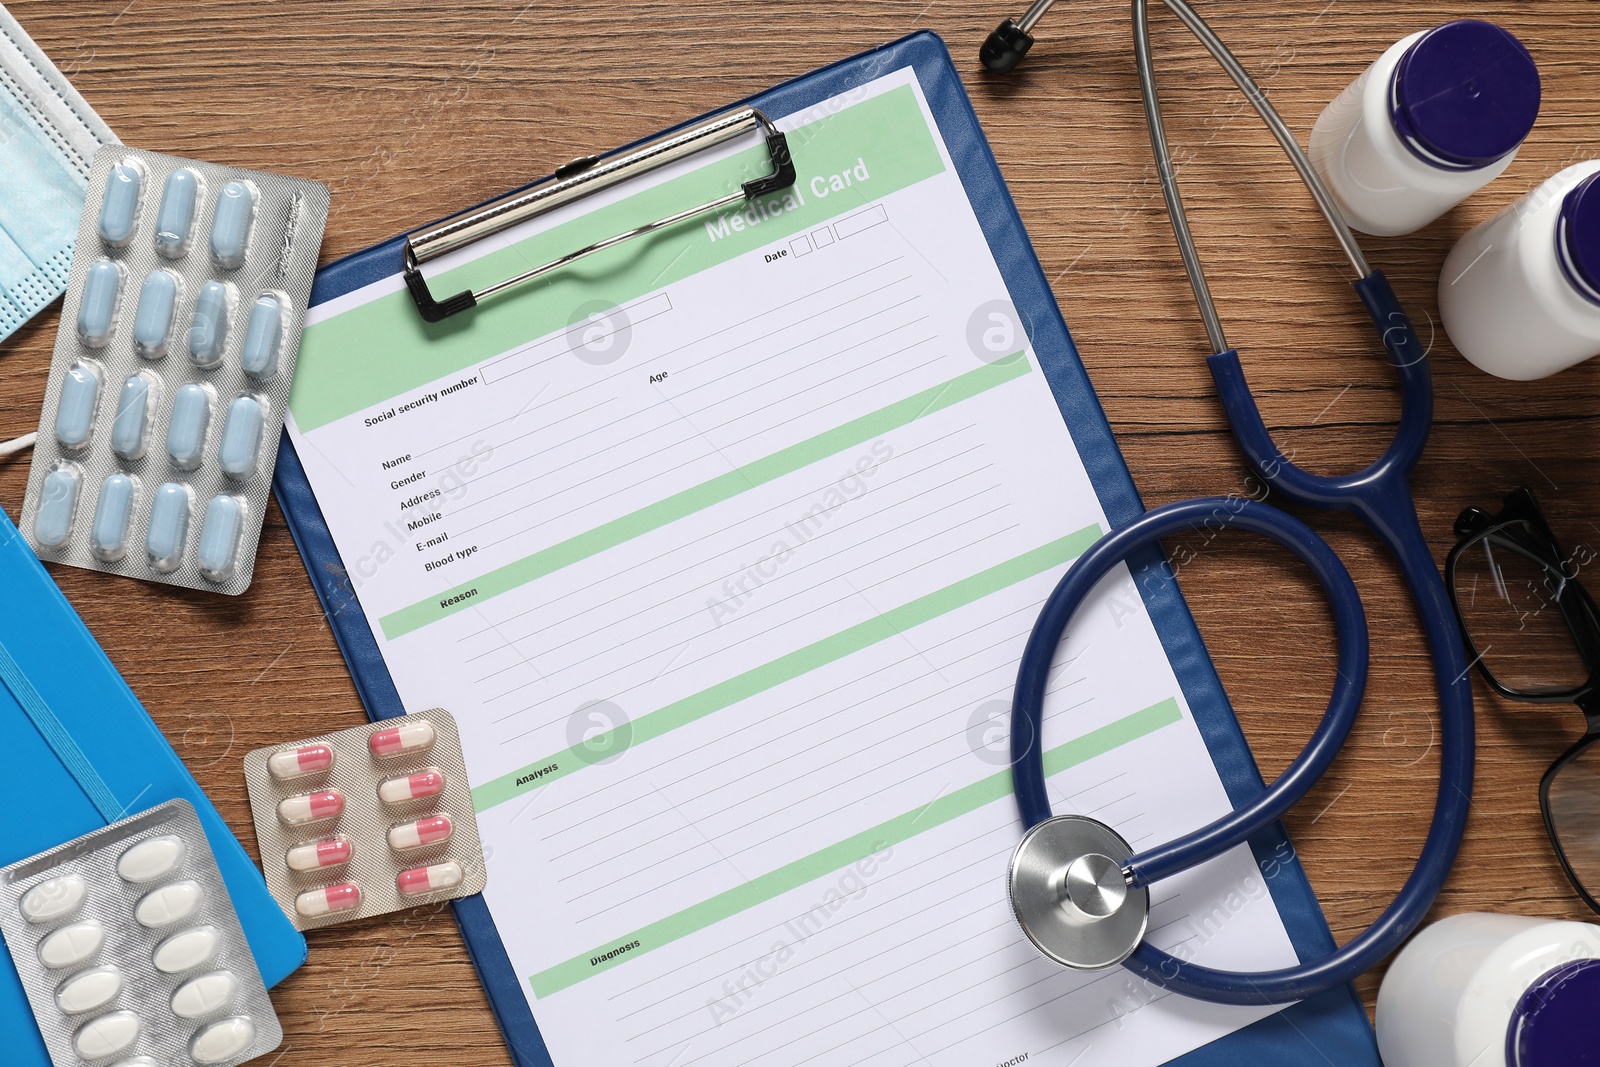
130,950
173,362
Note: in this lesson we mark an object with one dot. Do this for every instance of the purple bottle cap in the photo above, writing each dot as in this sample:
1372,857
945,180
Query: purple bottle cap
1578,237
1555,1024
1464,94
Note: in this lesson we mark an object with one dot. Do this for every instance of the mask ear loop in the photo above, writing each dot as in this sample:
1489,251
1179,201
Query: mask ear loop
18,444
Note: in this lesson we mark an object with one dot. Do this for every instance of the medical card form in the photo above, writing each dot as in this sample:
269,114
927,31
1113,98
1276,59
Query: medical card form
722,546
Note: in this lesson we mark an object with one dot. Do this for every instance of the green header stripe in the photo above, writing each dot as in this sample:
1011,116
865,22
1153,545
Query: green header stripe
851,850
699,497
792,665
382,348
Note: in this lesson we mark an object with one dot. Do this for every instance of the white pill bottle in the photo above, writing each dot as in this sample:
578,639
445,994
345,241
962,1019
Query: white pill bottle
1493,991
1520,294
1436,118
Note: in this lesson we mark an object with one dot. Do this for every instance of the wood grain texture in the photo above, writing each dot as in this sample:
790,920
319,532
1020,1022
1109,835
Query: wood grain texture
406,109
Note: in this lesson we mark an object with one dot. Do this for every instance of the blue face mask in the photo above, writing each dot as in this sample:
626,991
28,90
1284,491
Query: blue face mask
48,137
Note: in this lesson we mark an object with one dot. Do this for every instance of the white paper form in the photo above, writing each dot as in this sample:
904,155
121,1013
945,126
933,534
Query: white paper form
722,551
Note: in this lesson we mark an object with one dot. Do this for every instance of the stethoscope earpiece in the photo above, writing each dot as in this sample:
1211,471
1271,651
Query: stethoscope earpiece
1011,39
1005,47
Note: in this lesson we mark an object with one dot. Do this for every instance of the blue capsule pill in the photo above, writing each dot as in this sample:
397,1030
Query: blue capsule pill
219,537
133,418
176,213
80,393
210,325
110,530
169,526
230,229
57,497
262,337
97,307
153,322
186,434
121,204
241,437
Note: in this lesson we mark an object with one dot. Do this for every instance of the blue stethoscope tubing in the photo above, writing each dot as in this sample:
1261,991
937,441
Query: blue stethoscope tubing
1380,496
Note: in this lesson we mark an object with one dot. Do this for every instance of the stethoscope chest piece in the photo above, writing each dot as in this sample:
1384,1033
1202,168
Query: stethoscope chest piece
1070,895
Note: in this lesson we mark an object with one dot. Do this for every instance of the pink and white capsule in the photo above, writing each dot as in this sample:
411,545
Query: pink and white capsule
314,855
446,875
299,762
315,903
405,739
408,787
429,831
311,807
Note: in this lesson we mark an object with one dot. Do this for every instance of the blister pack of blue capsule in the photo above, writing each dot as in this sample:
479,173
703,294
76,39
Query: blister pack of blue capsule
172,367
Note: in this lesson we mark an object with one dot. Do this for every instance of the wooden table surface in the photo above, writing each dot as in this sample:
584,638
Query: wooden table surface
406,109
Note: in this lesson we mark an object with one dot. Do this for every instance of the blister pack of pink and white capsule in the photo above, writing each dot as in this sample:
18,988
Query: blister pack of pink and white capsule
366,821
172,369
131,952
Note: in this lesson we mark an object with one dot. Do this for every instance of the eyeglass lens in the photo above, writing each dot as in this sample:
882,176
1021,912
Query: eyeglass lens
1507,599
1573,807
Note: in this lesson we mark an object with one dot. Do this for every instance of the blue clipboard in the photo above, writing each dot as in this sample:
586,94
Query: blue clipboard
1332,1027
83,754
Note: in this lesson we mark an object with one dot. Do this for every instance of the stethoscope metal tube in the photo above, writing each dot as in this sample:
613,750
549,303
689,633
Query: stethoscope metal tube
1034,14
1258,100
1379,494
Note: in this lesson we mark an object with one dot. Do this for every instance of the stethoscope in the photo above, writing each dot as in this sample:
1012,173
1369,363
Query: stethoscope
1078,889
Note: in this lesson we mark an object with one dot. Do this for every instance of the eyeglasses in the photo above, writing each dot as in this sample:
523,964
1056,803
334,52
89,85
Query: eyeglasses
1535,634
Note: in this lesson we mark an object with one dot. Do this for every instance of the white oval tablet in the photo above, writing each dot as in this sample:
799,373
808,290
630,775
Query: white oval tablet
107,1035
152,859
169,904
222,1041
187,950
49,901
89,990
203,995
71,945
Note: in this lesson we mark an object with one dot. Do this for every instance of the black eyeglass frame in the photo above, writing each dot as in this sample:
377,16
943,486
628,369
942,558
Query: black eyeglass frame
1521,527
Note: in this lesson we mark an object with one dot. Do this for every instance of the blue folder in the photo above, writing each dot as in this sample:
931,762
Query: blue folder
1330,1028
82,753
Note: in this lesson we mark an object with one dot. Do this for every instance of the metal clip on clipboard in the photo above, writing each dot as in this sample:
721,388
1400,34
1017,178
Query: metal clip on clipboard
579,179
